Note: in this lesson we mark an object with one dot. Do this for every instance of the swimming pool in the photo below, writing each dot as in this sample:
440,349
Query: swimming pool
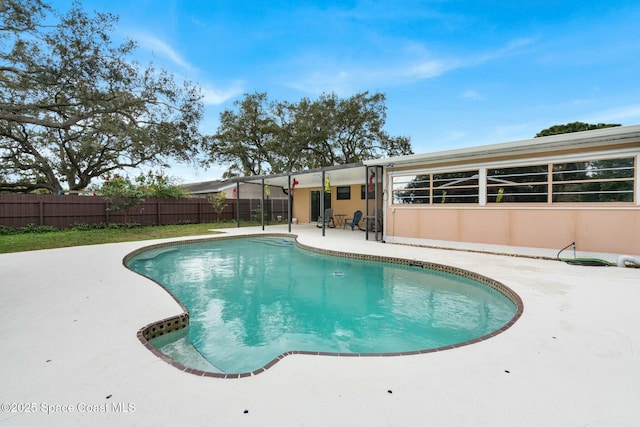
252,300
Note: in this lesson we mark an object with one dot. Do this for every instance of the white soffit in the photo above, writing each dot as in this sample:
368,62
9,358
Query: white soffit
338,176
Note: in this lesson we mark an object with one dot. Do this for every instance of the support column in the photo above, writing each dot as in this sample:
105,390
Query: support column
289,201
322,202
238,204
262,204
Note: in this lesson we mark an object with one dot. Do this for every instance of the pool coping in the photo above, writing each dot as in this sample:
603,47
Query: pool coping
181,321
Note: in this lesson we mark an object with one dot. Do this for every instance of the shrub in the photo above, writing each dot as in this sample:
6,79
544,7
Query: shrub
35,228
218,203
122,194
5,231
82,226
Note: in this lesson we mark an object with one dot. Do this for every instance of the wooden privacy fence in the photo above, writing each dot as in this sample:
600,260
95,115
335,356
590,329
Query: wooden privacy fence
19,210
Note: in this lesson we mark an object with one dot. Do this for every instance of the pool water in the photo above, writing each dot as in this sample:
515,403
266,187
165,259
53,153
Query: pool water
253,299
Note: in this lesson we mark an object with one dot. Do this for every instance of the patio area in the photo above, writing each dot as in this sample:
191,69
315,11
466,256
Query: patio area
70,354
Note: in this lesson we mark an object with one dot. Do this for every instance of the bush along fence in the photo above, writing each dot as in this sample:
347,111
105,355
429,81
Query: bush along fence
64,211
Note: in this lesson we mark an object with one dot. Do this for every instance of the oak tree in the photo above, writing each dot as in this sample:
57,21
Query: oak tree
74,105
572,127
262,136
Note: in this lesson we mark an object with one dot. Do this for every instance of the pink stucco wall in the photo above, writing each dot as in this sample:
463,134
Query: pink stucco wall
611,230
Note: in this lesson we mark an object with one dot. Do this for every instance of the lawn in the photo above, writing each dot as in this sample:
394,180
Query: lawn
65,238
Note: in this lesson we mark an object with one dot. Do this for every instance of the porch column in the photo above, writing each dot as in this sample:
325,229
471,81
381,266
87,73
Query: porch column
366,203
289,200
322,202
238,204
262,204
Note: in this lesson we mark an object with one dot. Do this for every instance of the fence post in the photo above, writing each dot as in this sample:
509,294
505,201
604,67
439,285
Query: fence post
158,216
40,212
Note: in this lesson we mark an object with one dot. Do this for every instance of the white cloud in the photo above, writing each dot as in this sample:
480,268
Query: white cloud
515,45
471,94
428,69
347,78
163,49
626,115
212,94
409,63
216,96
431,66
512,47
329,80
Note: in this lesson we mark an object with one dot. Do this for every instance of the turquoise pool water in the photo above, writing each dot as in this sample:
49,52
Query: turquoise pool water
252,299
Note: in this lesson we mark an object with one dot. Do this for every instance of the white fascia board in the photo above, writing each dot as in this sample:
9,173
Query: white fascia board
588,139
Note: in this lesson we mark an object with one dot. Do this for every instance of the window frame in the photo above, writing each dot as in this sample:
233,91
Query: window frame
623,181
452,190
340,190
499,197
563,184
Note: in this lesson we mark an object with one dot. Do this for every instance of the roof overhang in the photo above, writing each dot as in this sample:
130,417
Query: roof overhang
355,173
350,174
599,138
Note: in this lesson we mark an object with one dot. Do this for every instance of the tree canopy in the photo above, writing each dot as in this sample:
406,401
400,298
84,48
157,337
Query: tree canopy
262,136
74,106
572,127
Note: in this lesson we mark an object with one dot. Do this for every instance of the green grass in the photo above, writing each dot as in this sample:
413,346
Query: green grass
66,238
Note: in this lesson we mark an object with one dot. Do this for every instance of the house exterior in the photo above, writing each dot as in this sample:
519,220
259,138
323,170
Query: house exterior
543,193
344,189
546,193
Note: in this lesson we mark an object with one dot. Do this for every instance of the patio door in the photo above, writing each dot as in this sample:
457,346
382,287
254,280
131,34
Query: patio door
315,203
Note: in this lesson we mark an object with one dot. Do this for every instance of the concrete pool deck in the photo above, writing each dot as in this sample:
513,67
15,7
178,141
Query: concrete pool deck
68,345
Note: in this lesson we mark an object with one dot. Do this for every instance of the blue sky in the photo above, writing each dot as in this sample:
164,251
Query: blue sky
455,73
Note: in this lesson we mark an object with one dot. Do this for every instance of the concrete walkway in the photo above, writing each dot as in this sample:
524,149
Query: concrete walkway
68,346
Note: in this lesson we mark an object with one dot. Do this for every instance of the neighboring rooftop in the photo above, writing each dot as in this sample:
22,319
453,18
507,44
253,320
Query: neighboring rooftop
205,187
